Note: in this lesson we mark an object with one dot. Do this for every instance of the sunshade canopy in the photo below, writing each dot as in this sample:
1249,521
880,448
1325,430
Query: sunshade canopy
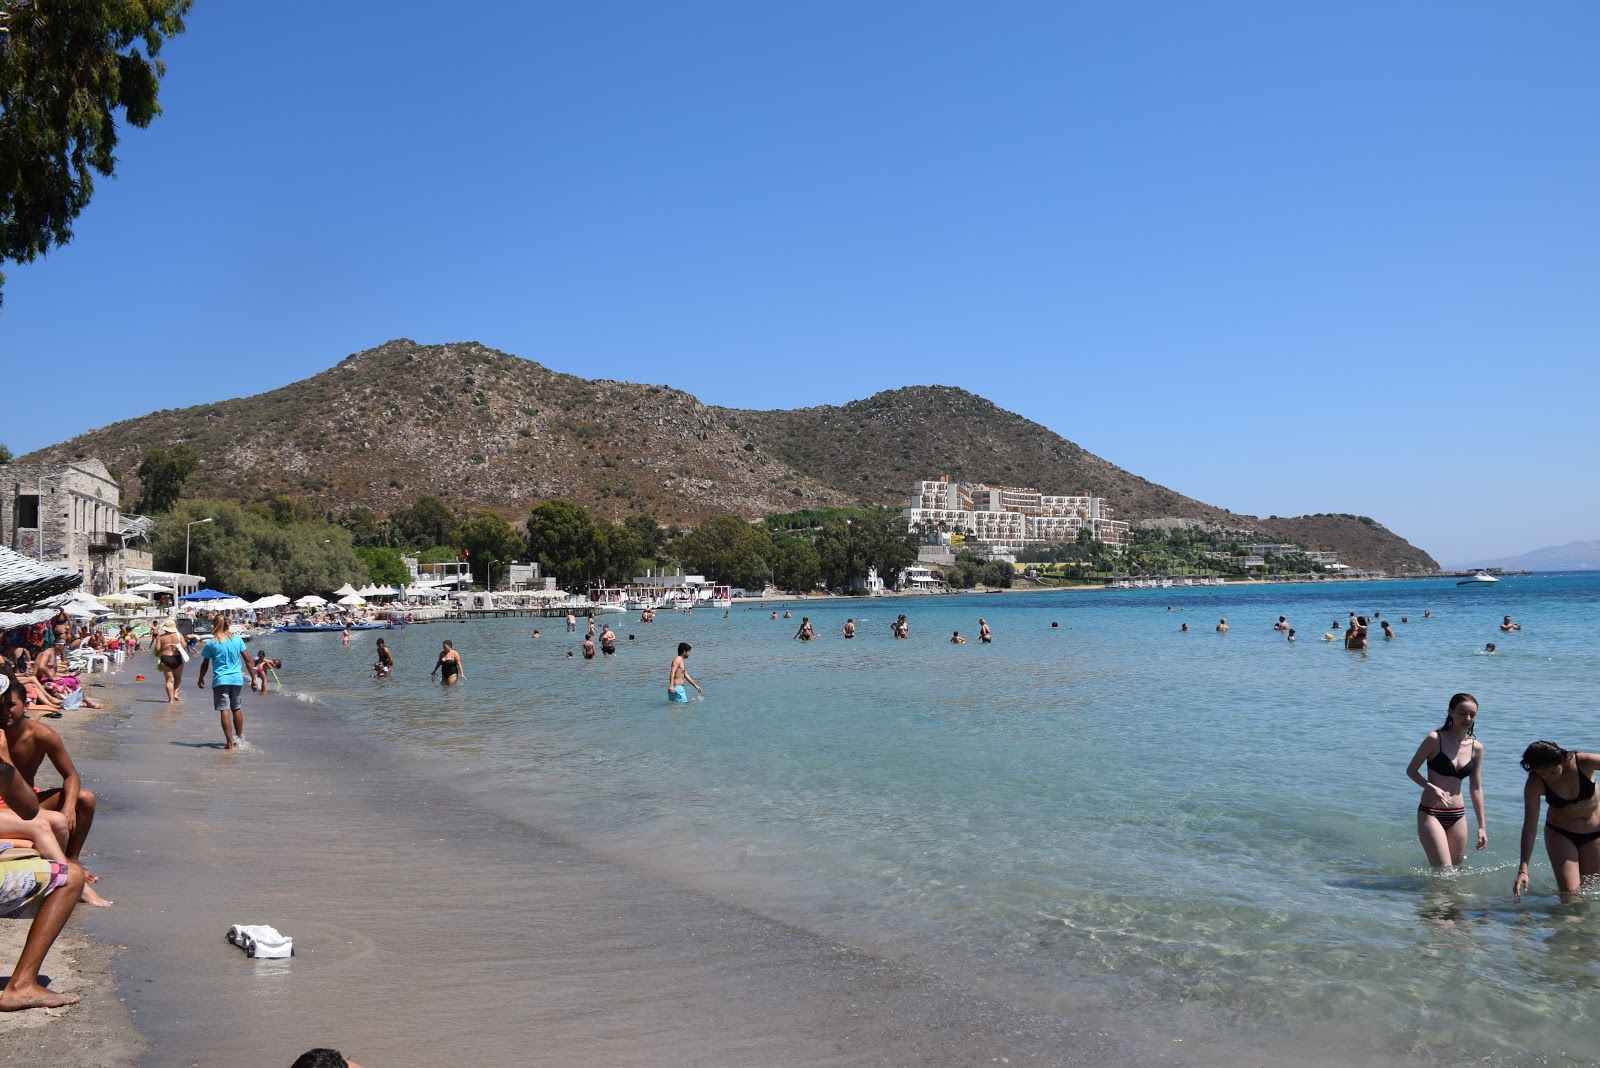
151,587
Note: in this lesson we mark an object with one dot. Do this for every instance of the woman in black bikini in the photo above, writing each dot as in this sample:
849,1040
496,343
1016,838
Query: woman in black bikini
1452,756
165,647
1572,826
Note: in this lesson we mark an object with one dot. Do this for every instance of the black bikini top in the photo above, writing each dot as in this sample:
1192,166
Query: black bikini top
1442,766
1585,791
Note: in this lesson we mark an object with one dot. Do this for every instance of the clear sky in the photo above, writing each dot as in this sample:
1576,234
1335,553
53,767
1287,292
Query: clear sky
1284,258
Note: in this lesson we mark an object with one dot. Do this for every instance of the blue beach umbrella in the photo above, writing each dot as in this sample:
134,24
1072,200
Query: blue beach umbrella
205,595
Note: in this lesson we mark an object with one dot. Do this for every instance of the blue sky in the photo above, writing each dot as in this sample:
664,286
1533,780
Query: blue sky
1284,258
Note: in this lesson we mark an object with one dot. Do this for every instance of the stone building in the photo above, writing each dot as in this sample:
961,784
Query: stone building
68,515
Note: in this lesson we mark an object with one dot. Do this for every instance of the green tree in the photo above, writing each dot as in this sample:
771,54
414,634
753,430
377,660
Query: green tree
427,523
244,552
66,68
888,545
726,549
563,538
620,550
842,554
648,531
5,455
287,511
368,528
384,565
162,474
489,539
797,566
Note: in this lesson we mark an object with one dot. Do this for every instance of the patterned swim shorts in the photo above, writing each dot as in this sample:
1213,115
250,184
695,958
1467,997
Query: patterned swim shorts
25,883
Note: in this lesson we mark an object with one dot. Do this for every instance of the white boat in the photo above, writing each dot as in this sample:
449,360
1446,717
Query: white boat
1482,578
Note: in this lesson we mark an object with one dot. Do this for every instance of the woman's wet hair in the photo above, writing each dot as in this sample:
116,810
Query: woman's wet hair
1456,701
1543,755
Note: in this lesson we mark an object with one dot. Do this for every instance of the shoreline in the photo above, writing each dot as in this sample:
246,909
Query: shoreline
577,955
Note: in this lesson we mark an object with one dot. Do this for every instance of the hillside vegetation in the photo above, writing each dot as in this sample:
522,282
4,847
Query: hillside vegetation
483,429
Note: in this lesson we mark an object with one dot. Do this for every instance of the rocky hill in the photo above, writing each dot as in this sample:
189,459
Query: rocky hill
474,426
1360,541
486,430
876,448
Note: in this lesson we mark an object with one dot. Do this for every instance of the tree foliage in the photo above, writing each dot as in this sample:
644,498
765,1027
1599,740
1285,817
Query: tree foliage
648,531
246,553
726,549
796,566
489,539
563,538
849,549
66,68
429,522
162,473
5,455
384,565
620,550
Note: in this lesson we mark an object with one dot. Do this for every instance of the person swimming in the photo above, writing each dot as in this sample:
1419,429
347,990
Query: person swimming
957,639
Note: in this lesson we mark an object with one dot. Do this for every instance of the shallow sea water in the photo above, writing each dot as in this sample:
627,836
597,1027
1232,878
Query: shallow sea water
1207,836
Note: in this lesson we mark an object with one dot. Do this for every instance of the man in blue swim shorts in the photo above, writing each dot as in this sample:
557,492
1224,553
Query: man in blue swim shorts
680,675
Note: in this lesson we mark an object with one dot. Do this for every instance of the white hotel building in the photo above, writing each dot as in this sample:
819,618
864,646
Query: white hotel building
1008,516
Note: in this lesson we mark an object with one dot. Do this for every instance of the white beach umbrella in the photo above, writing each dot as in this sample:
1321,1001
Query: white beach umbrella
346,590
124,598
151,587
271,600
311,600
227,604
352,599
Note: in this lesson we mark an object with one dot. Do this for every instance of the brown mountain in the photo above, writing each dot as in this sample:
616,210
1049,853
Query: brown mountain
486,430
878,447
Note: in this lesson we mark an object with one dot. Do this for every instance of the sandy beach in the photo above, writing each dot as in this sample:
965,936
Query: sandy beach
424,924
99,1030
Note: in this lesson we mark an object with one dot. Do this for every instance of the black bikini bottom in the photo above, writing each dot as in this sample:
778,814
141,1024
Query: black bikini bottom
1577,838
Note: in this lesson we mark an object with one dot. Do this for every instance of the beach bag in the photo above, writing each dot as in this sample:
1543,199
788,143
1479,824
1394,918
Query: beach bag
183,651
72,701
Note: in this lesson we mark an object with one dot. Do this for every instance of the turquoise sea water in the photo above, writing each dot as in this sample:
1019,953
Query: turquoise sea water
1208,837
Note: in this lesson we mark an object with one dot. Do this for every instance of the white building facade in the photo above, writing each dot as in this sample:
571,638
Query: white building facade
1010,516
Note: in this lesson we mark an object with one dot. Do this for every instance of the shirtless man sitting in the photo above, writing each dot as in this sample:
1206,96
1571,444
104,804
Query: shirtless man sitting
32,885
68,809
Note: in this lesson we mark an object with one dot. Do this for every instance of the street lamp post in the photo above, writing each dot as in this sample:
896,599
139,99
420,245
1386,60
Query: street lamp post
196,523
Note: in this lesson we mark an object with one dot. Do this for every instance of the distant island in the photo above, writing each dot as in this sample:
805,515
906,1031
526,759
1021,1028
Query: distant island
1573,556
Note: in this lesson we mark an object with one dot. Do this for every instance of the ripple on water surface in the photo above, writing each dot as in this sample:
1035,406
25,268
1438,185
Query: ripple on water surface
1215,828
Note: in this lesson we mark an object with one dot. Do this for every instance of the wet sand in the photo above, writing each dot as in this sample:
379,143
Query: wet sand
428,930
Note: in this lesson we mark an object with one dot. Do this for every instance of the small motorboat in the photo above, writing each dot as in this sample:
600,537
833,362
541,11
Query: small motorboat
1482,578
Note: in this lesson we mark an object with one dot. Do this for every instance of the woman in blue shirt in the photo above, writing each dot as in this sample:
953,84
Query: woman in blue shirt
224,654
